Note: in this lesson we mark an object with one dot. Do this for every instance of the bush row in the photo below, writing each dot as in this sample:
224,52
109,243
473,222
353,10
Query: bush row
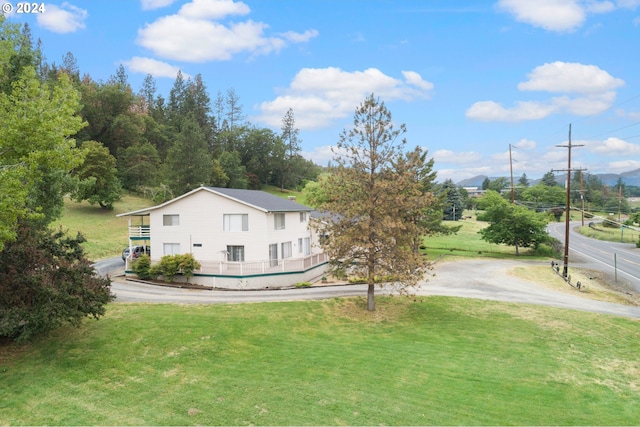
168,267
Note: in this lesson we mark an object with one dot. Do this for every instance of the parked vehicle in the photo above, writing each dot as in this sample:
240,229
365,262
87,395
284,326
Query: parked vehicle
137,251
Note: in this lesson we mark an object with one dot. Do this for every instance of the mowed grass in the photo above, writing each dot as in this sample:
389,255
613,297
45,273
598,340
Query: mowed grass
106,235
436,361
626,235
299,195
467,243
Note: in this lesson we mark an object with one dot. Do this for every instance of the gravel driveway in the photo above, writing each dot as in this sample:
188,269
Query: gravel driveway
490,279
474,278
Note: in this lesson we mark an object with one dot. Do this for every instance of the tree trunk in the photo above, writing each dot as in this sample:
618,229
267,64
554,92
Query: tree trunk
371,303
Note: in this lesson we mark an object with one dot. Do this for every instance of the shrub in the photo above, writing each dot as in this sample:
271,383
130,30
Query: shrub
170,265
303,285
47,282
188,265
142,267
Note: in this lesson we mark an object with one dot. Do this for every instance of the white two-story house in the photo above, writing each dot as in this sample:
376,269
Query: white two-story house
242,238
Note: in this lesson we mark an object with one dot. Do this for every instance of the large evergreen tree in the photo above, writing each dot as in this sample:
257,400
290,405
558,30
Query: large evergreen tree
368,196
188,163
453,203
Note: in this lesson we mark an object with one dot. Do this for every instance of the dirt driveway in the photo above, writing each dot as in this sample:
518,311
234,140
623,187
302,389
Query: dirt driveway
491,280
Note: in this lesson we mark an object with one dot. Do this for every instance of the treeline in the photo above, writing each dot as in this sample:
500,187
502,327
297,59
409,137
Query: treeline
585,187
165,147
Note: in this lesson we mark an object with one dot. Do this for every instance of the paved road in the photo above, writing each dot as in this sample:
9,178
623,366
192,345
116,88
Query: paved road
599,255
110,266
476,278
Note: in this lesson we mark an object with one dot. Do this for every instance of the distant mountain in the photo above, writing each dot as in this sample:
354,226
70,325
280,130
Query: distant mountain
631,177
476,181
610,179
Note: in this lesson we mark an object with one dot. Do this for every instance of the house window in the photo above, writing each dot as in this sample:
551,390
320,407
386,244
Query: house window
303,216
279,221
171,220
286,250
300,245
307,246
171,248
236,222
235,253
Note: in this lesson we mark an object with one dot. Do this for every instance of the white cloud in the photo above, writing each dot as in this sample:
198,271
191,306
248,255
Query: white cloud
490,111
320,95
600,6
585,106
294,37
154,67
560,15
623,166
413,78
155,4
213,9
596,87
321,155
568,77
525,144
552,15
628,4
614,147
65,18
195,33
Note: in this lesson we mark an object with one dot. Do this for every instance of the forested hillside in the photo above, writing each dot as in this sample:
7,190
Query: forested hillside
163,145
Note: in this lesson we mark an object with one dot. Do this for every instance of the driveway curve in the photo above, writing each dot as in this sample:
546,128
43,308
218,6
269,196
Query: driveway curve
475,278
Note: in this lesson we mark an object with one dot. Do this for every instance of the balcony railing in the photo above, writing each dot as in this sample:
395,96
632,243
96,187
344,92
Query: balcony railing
138,232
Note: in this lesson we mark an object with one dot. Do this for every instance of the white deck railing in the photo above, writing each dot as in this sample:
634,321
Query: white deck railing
228,268
139,231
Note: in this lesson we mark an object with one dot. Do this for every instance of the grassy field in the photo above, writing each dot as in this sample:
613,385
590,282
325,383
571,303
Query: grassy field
106,235
467,243
300,197
442,361
610,234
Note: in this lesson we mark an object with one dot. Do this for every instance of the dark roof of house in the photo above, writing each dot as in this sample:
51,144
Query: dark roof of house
262,200
255,198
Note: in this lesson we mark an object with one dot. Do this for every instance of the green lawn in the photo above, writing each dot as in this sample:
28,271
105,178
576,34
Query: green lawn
443,361
300,197
106,235
627,235
467,243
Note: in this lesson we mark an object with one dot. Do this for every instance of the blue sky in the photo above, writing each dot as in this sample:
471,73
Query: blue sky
469,78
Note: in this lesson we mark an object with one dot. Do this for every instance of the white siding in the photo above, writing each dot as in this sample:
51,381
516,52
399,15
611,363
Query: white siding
202,224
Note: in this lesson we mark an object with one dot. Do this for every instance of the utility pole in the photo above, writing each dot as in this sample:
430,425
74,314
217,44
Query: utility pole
567,212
